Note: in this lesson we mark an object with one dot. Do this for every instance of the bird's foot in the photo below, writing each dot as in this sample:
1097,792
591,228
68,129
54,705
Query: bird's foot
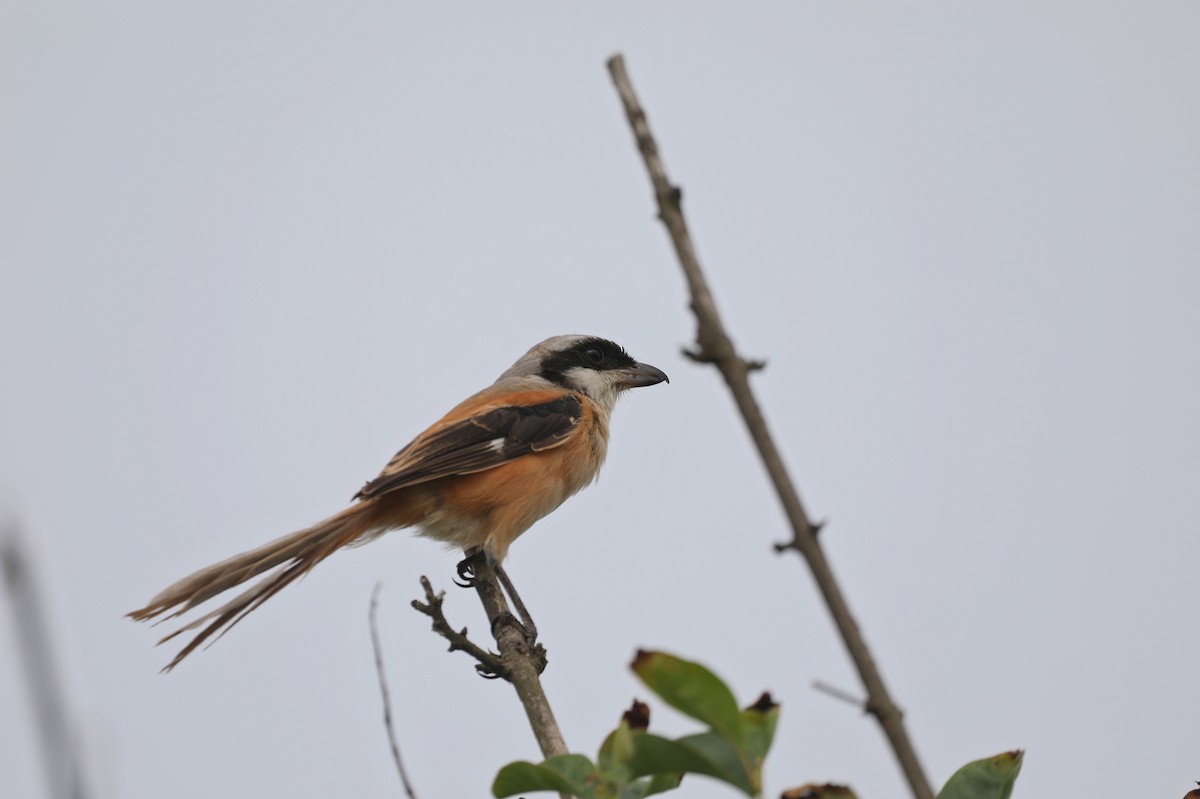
466,568
527,630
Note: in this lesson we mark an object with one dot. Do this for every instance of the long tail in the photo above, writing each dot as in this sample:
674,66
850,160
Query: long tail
296,554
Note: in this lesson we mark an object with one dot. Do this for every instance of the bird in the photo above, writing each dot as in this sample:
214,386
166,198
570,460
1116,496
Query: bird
476,479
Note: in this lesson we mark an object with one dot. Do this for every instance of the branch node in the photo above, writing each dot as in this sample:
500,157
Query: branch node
814,528
840,694
698,355
671,196
540,659
883,711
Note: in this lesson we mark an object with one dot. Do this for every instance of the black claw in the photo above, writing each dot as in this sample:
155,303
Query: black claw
466,570
486,672
493,669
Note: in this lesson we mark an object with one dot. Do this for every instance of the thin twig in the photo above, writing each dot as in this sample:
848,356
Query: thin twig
713,345
489,664
66,777
387,697
838,693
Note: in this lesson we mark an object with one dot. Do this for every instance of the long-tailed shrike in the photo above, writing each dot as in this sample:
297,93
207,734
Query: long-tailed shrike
476,479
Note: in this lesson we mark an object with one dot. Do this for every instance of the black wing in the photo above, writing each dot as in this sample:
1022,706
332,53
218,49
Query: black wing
478,443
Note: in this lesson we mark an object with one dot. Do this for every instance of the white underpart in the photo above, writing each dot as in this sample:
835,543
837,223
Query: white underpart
600,386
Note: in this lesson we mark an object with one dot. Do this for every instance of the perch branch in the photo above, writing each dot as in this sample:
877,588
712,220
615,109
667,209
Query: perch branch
387,697
713,345
520,661
523,660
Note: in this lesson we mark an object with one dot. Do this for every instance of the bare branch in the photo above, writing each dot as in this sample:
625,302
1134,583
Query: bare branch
386,695
838,693
520,661
66,777
713,345
523,660
489,665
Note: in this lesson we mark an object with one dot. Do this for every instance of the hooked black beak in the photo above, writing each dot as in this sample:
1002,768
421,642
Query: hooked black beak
640,374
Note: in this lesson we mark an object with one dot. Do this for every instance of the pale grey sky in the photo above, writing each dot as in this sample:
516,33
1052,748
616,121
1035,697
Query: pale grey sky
250,249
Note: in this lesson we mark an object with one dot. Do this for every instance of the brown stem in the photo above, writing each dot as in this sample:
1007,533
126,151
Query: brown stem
521,659
714,346
519,662
386,694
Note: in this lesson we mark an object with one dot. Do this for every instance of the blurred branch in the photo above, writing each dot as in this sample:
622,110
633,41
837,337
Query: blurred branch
385,694
64,774
838,693
713,345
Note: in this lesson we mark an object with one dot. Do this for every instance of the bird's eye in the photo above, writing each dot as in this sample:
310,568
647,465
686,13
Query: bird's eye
593,354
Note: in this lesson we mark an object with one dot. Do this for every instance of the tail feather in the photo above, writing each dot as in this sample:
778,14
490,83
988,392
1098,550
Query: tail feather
296,553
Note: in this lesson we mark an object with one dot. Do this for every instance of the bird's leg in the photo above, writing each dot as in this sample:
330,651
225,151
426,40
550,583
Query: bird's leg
527,620
468,573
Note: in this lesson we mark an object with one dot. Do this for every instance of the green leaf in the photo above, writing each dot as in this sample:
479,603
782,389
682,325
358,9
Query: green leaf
691,689
708,753
661,783
561,773
991,778
615,752
649,786
732,762
758,722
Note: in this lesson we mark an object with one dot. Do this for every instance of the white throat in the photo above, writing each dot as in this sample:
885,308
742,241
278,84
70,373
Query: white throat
600,387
